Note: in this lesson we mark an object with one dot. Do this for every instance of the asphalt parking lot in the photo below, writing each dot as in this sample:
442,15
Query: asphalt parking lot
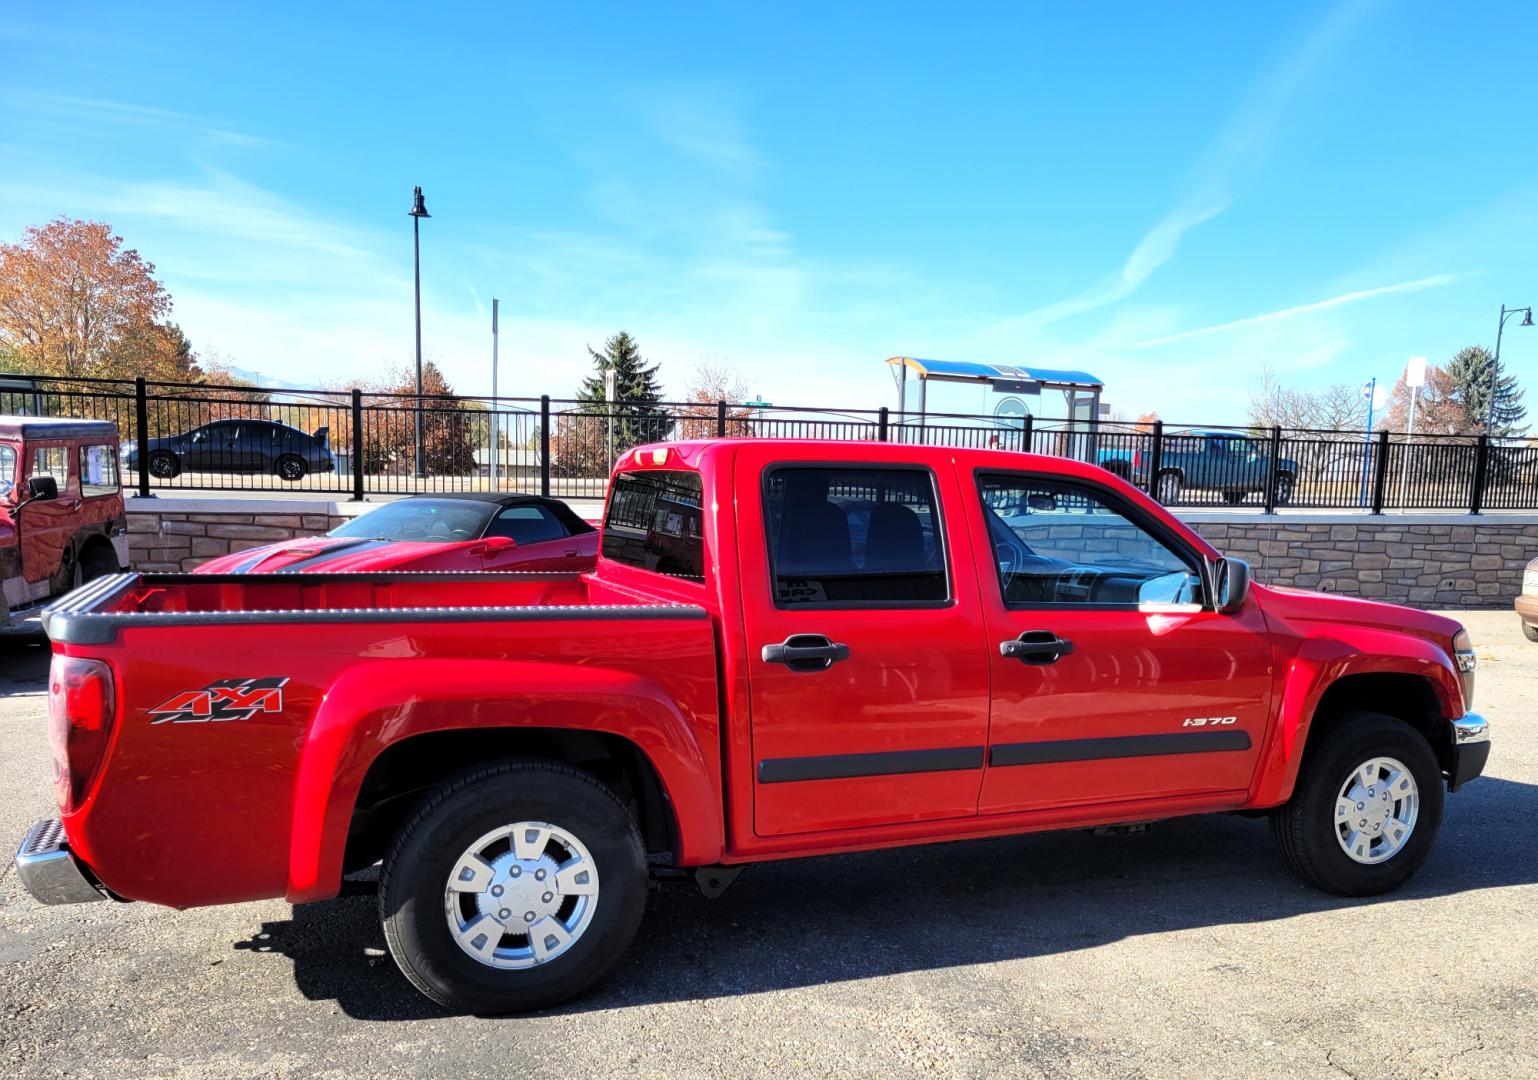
1185,951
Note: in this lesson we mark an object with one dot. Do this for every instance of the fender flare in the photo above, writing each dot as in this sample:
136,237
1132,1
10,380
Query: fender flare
373,706
1319,664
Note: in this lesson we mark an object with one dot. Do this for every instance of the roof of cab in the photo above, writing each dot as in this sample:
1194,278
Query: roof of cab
56,427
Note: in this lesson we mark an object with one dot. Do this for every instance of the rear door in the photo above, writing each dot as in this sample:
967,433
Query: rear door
867,660
1113,680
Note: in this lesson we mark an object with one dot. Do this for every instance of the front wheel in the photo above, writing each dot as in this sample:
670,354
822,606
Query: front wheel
1530,631
1167,489
514,886
163,465
1366,809
1282,493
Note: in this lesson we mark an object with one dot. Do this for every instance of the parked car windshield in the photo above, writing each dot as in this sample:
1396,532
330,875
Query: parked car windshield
427,520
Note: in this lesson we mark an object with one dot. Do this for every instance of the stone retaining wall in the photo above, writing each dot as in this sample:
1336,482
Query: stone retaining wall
1425,560
177,534
1422,560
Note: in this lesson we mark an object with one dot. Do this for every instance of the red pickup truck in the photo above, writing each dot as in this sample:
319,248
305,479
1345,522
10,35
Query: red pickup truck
787,649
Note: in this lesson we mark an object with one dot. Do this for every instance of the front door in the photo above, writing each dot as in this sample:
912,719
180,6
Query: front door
48,524
867,665
1113,680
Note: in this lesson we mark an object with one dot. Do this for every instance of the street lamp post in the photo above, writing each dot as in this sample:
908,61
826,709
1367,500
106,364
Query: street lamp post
1495,363
417,212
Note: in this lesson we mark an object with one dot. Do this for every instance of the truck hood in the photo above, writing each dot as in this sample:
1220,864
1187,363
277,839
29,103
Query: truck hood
336,554
1300,605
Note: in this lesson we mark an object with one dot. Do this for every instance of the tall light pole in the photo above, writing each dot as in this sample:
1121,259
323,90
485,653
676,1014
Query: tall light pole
496,420
417,212
1495,363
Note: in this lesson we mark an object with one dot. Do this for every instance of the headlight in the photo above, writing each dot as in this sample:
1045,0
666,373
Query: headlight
1463,654
1530,581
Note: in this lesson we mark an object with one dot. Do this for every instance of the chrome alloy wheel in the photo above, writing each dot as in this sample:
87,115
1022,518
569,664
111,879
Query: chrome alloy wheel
521,895
1376,809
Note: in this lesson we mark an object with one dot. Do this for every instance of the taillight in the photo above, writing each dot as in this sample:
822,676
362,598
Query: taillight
81,710
1137,459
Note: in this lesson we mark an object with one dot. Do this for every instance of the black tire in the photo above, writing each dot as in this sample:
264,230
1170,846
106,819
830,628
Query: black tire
466,807
1305,828
1530,631
1282,494
1233,498
290,468
163,465
98,560
1167,488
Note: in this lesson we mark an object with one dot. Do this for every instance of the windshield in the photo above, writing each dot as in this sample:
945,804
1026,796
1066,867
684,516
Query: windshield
425,520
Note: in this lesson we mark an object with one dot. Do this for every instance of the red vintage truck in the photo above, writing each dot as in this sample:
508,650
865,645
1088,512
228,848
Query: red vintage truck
61,510
787,649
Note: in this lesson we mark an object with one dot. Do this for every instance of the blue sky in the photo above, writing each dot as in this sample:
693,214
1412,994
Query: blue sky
1170,196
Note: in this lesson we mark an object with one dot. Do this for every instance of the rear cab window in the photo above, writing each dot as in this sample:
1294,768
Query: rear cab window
98,470
654,522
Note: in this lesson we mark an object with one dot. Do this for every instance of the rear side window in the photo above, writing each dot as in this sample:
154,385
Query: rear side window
7,469
530,524
98,470
52,461
654,522
854,537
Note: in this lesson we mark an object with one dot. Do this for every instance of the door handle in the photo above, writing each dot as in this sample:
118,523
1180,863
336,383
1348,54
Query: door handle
1036,647
806,652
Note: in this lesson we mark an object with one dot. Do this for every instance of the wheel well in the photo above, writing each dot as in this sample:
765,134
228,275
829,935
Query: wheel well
406,769
1409,699
97,542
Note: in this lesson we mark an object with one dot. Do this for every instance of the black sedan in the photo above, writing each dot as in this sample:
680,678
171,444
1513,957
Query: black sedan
260,446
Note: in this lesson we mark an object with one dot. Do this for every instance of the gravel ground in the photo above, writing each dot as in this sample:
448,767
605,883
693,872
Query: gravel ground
1185,951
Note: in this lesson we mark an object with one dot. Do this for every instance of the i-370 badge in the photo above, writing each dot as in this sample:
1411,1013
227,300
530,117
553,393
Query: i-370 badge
223,699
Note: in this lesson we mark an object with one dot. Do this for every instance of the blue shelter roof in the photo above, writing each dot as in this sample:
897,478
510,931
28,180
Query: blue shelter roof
968,369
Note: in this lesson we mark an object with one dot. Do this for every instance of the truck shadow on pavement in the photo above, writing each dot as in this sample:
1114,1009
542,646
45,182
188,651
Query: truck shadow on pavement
824,920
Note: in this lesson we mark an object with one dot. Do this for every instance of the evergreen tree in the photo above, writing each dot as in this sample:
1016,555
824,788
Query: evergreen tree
637,419
1469,371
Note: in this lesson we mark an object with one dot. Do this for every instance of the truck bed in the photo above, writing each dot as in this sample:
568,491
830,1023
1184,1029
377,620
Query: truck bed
257,703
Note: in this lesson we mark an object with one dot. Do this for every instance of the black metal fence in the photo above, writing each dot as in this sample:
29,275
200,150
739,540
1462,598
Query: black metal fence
180,436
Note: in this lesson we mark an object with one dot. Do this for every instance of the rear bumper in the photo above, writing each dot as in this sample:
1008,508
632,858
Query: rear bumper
1471,749
50,870
1527,609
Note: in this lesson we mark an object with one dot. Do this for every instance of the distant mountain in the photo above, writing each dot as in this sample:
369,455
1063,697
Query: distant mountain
266,382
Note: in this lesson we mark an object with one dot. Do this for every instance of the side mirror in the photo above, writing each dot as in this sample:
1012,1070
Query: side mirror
1231,579
494,545
42,487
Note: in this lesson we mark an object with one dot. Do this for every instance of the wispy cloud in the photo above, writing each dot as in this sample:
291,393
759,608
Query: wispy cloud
79,108
698,121
1244,140
1418,285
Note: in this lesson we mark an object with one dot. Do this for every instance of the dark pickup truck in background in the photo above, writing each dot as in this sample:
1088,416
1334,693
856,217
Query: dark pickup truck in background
1227,462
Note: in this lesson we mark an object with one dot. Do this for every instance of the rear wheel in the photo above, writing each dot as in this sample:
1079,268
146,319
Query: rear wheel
1167,488
163,465
290,468
1366,808
98,560
514,886
1530,631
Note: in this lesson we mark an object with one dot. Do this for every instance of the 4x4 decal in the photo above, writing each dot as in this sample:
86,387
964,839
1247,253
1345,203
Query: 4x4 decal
222,699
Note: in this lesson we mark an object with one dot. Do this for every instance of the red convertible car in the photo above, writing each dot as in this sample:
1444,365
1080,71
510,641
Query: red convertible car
434,532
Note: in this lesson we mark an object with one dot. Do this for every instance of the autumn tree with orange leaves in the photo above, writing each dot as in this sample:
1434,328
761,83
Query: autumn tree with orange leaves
76,304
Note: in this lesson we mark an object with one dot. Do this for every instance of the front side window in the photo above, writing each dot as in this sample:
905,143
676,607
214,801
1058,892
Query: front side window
1061,543
7,469
98,470
654,522
52,461
854,537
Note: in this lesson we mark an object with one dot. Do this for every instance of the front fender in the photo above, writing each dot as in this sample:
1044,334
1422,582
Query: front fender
371,707
1317,665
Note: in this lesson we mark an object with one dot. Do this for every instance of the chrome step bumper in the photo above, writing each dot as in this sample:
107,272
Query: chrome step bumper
49,870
